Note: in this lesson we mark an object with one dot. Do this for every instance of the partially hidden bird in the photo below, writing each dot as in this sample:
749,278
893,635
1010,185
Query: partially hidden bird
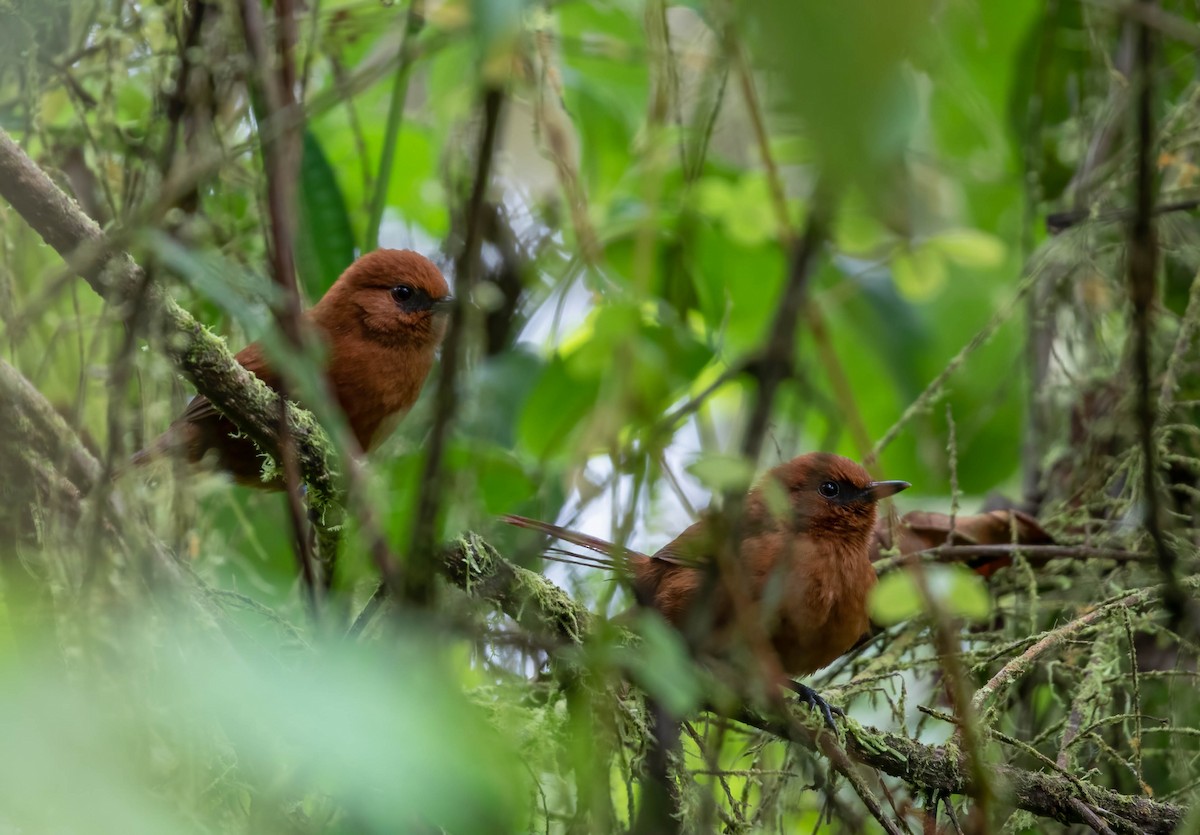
381,321
804,556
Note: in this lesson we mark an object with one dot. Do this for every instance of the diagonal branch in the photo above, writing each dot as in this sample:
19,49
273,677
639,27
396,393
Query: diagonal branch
546,610
196,352
541,606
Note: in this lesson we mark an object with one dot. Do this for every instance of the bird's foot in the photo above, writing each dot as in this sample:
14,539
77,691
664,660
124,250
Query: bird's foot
813,699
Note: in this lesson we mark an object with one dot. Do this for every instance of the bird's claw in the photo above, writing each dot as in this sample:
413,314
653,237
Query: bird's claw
813,699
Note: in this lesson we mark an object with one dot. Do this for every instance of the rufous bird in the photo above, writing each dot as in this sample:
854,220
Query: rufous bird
811,557
381,321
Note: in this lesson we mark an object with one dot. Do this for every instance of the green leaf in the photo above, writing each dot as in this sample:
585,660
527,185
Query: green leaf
970,247
894,599
919,274
325,243
498,31
246,297
722,473
960,591
133,106
957,590
558,402
861,122
661,665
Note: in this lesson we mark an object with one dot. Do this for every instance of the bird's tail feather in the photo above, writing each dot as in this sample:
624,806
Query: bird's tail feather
165,444
614,555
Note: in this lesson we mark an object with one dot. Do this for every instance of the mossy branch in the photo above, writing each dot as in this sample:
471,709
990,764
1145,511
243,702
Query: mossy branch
199,354
527,597
538,604
47,467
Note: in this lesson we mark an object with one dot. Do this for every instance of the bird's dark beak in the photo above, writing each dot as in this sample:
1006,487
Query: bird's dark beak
443,304
877,490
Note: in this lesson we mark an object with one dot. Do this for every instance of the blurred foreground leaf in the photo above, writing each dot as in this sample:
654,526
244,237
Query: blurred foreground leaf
324,240
957,590
185,734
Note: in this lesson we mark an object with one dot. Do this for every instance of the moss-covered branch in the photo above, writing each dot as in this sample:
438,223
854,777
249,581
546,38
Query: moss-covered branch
199,354
475,566
528,598
49,476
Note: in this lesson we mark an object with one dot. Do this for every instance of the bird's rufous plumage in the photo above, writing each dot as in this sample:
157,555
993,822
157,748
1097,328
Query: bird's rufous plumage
381,323
804,559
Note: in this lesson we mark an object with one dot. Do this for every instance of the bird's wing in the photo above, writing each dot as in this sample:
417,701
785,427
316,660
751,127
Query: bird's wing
694,548
592,543
252,359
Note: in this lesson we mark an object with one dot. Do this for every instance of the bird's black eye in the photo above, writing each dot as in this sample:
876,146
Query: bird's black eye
829,489
402,293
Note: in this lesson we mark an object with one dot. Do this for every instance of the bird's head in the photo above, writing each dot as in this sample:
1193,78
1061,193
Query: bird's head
395,296
828,494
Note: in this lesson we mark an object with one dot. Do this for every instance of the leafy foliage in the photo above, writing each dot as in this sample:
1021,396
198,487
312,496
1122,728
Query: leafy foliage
656,165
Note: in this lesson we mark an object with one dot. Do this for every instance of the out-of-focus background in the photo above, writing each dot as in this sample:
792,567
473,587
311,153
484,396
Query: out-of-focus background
970,169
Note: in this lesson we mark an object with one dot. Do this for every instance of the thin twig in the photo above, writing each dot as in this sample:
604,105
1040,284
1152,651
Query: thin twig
418,581
176,102
1036,554
281,153
414,21
1018,666
1091,818
946,641
1142,260
1135,695
1059,222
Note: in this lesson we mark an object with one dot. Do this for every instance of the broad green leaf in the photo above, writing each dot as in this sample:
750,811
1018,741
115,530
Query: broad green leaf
957,590
133,105
325,243
244,296
722,473
861,117
497,30
920,273
557,404
969,247
960,591
895,598
661,665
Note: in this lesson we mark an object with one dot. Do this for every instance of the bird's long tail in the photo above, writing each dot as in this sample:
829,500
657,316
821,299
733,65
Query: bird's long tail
612,557
164,445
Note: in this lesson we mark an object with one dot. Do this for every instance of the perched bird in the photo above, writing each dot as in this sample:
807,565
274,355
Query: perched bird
805,561
381,321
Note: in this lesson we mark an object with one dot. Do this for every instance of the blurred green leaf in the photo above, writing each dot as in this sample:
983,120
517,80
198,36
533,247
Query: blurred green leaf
498,30
324,240
957,590
744,208
558,402
960,591
920,273
133,106
243,295
723,473
969,247
170,738
895,598
661,665
861,117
